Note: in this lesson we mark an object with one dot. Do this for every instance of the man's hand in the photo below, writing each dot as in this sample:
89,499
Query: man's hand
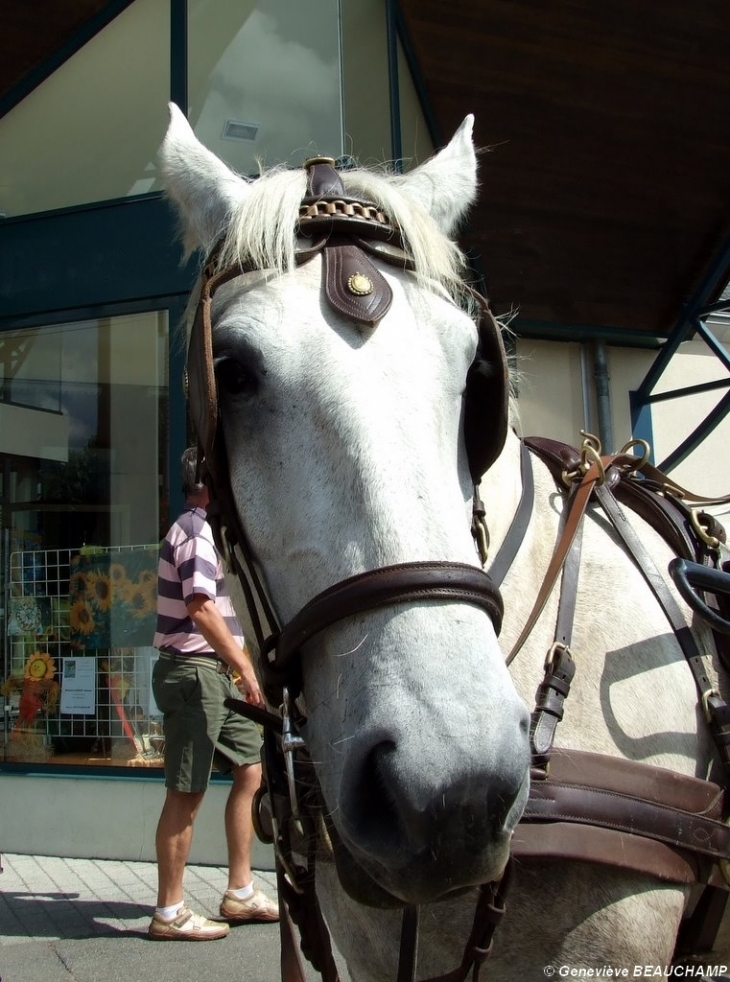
248,686
214,629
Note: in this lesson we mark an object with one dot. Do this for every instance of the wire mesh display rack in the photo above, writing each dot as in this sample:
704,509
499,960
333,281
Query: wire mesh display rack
78,658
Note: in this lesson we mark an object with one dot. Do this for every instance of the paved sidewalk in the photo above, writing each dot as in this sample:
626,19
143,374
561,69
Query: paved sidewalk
81,920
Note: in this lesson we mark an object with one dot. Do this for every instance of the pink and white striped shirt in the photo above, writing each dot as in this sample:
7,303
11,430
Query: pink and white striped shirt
189,565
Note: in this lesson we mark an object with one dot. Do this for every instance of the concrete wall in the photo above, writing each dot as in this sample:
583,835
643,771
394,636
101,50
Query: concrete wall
551,403
104,818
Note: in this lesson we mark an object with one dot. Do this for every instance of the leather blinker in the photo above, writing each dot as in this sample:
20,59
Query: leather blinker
486,397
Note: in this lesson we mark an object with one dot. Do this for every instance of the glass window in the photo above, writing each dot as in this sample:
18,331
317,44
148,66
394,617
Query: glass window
91,130
367,107
264,80
83,445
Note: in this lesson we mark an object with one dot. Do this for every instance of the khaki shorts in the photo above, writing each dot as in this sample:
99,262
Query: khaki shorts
199,730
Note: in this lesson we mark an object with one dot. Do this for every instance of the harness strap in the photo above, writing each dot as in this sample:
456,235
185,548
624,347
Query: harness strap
616,812
559,801
716,711
292,969
610,811
408,949
507,553
574,842
645,819
490,909
576,509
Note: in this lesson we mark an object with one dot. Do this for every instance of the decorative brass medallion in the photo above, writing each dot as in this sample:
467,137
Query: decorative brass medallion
360,284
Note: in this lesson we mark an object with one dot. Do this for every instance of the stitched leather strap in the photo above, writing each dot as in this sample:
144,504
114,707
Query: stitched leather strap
576,510
617,812
572,842
565,802
507,553
402,583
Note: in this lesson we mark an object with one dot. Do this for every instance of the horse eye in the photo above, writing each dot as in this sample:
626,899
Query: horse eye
236,378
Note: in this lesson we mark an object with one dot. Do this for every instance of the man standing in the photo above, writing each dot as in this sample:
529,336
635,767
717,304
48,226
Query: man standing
202,652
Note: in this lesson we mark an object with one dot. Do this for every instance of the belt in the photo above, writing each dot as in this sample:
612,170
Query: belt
199,659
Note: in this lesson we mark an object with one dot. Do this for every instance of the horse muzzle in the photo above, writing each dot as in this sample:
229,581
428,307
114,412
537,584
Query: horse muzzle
422,839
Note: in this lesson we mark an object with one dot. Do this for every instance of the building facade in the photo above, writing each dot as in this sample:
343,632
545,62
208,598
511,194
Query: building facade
93,288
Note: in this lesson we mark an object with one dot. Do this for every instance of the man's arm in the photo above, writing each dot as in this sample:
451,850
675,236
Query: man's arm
211,624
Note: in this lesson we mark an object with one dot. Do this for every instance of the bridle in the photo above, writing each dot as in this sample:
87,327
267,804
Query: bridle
347,234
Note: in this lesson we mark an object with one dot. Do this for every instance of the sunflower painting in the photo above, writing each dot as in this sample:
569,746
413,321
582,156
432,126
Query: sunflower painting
113,599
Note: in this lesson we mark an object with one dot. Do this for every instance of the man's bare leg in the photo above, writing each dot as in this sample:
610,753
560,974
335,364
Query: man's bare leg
239,825
172,842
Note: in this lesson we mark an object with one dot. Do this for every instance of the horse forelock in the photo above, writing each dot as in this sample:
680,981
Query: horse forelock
261,226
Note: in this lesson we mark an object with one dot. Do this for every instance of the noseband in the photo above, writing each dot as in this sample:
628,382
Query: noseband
348,234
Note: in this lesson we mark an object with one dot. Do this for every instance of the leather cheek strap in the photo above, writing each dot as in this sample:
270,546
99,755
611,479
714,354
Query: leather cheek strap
201,388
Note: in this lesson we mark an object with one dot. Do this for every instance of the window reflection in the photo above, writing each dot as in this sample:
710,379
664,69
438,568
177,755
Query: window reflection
83,438
264,80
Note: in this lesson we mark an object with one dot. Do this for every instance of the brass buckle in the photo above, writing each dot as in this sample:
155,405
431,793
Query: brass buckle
550,658
590,456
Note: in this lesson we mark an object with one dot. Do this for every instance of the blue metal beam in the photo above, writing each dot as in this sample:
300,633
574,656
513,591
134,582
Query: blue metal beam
706,427
179,54
715,278
396,144
689,322
689,390
711,341
419,82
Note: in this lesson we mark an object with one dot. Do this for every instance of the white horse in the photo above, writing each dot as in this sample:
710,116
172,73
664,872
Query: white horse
346,454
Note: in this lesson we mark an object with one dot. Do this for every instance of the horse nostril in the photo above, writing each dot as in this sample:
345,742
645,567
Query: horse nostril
373,809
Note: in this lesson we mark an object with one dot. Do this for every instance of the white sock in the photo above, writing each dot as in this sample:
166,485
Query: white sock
243,893
169,913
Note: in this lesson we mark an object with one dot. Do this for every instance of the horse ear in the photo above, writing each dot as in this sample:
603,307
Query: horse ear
203,190
446,185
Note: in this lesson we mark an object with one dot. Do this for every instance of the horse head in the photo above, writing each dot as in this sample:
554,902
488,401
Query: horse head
339,414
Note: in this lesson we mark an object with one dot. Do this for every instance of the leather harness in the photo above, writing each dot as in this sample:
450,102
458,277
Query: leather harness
581,806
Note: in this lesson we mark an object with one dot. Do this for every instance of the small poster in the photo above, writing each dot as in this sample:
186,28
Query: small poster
78,686
29,615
